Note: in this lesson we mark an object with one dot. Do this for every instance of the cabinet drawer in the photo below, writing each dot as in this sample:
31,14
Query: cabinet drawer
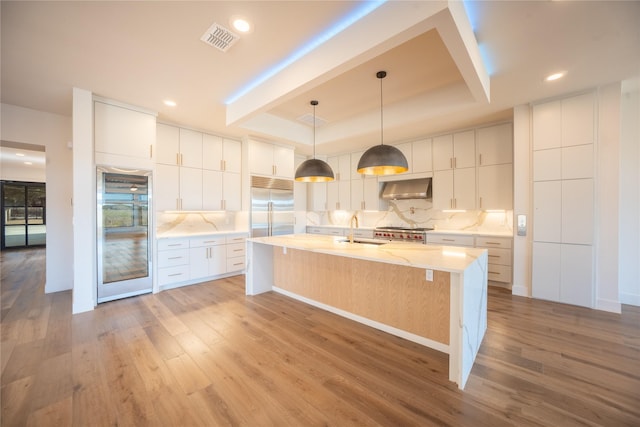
235,264
500,273
167,276
207,241
449,240
367,234
165,244
235,250
334,231
314,230
499,256
173,257
235,239
493,242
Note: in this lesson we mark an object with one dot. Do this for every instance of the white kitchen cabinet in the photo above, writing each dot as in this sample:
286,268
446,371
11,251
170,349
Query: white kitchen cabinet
231,191
207,257
546,278
578,120
499,257
236,253
190,155
577,211
547,125
450,239
454,189
563,200
495,187
341,166
271,160
576,273
317,196
190,189
355,159
167,144
547,211
221,154
407,150
339,190
577,162
123,136
454,151
173,261
563,273
212,193
364,194
495,145
221,191
339,195
421,156
547,164
166,195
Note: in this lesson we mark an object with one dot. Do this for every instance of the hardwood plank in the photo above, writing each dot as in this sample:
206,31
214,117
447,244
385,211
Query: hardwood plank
209,355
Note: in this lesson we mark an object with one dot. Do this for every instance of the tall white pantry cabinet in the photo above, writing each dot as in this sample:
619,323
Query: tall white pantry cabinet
563,200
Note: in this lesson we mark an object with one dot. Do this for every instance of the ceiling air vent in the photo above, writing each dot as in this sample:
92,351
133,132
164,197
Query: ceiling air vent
308,119
219,37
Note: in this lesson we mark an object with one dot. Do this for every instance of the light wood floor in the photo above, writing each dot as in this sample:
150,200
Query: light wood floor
208,355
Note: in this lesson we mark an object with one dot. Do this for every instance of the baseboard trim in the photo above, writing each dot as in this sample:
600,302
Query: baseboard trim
609,305
631,299
519,290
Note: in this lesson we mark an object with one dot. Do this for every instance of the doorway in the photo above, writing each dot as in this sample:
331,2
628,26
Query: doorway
23,214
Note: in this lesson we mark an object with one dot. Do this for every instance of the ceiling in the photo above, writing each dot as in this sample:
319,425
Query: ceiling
450,65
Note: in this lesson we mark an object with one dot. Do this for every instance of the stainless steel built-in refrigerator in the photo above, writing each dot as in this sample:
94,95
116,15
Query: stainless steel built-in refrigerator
271,206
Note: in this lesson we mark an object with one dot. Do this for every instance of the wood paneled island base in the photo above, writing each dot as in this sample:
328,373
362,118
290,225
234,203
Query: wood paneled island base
384,287
393,295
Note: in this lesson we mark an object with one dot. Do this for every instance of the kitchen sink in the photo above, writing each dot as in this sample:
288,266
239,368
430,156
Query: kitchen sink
370,242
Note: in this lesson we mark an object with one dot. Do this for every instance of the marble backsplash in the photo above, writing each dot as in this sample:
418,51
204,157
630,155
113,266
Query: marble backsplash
185,223
419,213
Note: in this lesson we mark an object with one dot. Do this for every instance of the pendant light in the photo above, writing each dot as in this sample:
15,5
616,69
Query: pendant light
314,170
382,159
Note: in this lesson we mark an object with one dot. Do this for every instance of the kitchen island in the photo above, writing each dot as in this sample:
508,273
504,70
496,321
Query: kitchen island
432,295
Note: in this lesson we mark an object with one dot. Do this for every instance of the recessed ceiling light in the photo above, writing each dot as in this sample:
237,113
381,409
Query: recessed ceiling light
20,154
28,163
170,103
241,24
554,76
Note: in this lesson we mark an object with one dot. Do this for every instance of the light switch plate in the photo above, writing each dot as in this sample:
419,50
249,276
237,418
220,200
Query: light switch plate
522,225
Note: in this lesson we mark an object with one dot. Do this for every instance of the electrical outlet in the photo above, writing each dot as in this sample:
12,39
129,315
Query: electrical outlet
284,250
429,275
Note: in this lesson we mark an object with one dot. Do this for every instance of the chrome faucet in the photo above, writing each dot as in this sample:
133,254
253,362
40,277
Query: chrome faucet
354,217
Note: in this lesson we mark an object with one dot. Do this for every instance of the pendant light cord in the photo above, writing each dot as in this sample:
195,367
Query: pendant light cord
381,75
314,128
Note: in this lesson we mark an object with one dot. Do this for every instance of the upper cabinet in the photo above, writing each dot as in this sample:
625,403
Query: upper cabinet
564,123
221,154
419,156
271,160
495,145
197,171
123,136
454,151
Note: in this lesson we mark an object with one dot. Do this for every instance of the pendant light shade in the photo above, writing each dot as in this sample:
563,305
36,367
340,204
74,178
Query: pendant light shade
314,170
382,159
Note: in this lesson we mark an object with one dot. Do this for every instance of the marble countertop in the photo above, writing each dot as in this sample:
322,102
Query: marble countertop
177,235
443,258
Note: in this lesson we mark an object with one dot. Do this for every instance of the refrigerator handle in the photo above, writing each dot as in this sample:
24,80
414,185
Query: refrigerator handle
270,219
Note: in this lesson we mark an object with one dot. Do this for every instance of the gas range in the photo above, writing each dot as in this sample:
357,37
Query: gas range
403,234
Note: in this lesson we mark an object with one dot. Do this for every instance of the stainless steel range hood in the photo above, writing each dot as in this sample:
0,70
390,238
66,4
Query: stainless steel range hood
407,189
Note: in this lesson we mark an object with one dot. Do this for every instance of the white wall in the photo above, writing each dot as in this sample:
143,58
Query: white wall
84,206
52,131
607,186
20,172
522,199
629,242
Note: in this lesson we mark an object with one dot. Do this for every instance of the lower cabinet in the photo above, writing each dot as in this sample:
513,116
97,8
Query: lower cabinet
499,248
185,261
207,257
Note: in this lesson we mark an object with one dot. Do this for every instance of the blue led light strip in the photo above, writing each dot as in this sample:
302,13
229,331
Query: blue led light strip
363,9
